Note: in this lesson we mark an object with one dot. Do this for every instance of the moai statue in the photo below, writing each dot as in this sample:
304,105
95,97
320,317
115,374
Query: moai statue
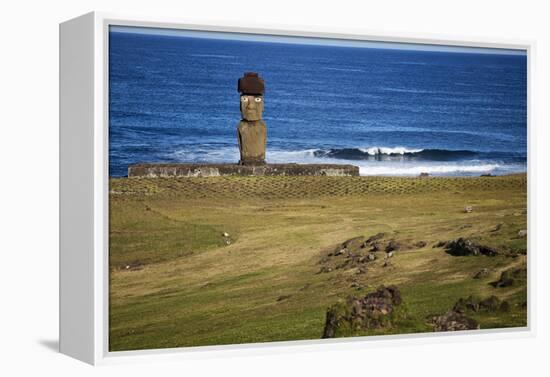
251,131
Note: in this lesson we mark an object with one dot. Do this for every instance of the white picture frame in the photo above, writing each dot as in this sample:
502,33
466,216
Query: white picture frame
84,190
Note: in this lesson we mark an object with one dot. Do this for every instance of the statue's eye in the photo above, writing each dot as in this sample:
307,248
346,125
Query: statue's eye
244,99
258,99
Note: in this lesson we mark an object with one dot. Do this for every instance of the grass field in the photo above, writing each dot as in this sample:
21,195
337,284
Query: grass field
176,280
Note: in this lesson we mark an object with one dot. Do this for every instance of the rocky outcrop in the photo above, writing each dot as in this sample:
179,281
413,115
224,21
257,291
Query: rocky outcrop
465,247
349,254
457,318
511,277
453,321
474,304
377,310
358,251
393,245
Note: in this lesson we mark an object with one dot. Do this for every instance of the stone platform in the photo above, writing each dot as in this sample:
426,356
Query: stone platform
217,170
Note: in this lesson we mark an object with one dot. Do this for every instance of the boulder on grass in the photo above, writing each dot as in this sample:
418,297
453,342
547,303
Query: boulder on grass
510,277
481,273
466,247
377,310
453,321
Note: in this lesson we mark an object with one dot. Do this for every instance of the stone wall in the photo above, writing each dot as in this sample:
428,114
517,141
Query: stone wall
216,170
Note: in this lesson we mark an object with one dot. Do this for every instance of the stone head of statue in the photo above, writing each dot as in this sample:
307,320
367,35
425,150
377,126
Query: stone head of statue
252,88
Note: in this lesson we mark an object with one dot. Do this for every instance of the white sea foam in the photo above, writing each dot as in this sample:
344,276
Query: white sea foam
413,170
373,151
228,154
198,154
291,156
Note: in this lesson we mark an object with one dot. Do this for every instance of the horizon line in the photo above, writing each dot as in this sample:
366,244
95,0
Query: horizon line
312,41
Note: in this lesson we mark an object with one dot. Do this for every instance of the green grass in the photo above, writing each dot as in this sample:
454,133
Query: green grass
174,281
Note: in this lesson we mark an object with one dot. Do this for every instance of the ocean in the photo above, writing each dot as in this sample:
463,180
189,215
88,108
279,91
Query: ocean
390,112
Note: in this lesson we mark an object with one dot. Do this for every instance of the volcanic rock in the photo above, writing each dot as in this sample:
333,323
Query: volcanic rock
510,277
374,311
453,321
465,247
481,273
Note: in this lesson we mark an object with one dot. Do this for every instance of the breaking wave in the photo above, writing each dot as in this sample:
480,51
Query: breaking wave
449,169
390,161
376,153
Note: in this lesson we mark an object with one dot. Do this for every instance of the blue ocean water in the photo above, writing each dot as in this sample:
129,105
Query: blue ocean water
391,112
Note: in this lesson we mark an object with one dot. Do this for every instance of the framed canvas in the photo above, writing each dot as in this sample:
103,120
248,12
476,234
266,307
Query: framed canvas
229,189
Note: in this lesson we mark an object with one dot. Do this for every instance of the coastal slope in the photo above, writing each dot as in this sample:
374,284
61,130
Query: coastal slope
224,260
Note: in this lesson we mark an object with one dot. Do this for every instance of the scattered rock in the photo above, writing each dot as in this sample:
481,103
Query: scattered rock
376,237
490,304
511,277
456,319
453,321
359,251
376,246
522,233
225,234
389,255
466,247
474,304
503,282
440,244
378,309
497,227
464,304
133,266
325,269
349,254
354,244
481,273
340,252
393,246
420,244
283,297
468,209
305,287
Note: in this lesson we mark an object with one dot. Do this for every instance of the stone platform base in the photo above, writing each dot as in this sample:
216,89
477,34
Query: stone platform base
216,170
